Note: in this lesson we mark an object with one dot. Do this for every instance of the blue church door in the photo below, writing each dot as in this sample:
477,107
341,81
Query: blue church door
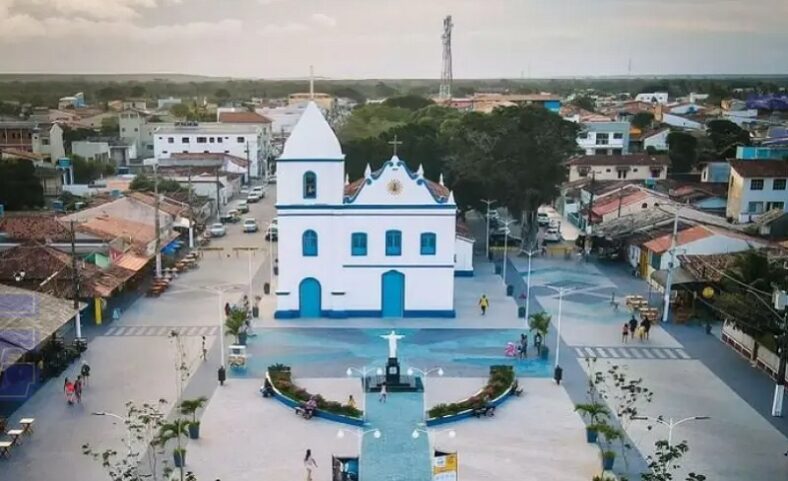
309,298
393,294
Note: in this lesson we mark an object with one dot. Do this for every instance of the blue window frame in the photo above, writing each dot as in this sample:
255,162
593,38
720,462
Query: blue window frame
358,244
309,243
310,185
428,244
393,243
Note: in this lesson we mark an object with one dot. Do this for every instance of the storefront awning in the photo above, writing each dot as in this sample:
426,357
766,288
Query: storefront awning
680,276
132,262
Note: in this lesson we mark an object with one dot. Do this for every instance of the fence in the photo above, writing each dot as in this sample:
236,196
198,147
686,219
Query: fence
744,344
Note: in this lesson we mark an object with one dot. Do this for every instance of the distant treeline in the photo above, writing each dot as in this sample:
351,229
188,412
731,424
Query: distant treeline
47,89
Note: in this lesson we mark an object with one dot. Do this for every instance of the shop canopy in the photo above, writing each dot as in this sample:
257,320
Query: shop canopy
680,276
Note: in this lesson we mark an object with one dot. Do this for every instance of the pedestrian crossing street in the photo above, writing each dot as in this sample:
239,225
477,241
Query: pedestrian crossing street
162,331
633,352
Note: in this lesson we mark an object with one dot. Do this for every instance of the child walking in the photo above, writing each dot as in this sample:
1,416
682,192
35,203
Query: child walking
484,303
624,332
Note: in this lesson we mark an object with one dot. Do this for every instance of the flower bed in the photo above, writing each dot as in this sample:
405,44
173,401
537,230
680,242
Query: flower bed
282,381
499,387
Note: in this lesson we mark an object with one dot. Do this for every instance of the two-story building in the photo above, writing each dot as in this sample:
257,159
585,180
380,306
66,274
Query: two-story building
755,187
619,167
604,138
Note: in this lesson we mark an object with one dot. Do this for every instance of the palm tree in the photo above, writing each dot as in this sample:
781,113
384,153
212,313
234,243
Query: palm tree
175,430
190,407
235,324
540,322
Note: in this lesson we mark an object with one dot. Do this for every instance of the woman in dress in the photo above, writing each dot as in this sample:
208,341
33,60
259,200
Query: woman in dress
309,464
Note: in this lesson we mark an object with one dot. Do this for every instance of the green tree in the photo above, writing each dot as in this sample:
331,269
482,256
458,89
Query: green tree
726,136
642,120
540,322
222,94
87,171
143,183
138,91
584,102
19,187
180,110
371,121
71,135
683,151
109,126
665,461
410,102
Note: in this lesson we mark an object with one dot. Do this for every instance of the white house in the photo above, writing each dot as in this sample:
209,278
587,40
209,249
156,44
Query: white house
605,138
652,97
91,150
382,246
245,141
47,140
682,122
618,167
755,187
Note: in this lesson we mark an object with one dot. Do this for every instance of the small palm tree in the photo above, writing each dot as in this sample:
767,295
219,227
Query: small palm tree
594,411
190,407
235,324
175,430
540,322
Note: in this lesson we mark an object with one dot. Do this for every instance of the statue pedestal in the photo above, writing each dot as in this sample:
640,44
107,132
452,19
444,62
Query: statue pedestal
395,381
392,372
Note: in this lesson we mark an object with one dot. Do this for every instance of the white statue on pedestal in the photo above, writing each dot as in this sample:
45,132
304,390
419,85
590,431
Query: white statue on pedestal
392,337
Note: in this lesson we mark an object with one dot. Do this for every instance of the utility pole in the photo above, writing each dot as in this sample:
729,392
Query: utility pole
156,225
781,303
590,207
75,279
248,166
191,212
218,197
669,277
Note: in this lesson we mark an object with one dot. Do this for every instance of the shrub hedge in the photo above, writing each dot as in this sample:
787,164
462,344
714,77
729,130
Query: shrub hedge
501,378
282,379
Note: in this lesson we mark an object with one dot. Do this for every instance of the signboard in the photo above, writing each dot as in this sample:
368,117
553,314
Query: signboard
64,163
444,467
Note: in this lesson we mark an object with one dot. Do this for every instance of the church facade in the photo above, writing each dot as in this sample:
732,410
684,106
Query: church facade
382,246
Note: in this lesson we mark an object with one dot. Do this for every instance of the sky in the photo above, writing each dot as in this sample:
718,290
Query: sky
394,38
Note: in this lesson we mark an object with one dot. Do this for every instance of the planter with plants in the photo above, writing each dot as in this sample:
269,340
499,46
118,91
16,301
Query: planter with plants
499,385
281,378
235,325
190,407
595,413
609,434
176,429
540,322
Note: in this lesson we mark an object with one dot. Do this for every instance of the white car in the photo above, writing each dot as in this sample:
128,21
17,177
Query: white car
243,207
217,230
259,190
252,198
555,223
542,218
552,235
250,225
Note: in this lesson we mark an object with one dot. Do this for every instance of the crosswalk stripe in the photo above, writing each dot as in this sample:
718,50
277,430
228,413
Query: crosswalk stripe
634,353
591,352
682,354
111,331
613,352
659,353
579,352
647,353
671,353
602,352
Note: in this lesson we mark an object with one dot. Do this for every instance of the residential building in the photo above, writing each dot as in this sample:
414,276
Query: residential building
756,187
716,172
245,141
225,163
91,150
98,120
652,97
130,125
166,104
136,104
604,138
383,245
624,201
680,122
48,141
684,108
323,100
17,135
656,139
76,101
761,152
618,167
49,176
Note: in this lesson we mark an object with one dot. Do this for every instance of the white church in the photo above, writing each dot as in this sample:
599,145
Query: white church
385,245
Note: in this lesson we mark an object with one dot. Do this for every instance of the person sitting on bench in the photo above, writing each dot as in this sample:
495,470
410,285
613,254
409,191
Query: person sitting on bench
307,410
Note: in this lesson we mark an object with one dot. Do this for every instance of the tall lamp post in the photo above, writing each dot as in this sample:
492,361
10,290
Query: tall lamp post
561,291
670,423
360,435
363,371
155,164
129,434
506,224
416,434
487,216
780,299
424,373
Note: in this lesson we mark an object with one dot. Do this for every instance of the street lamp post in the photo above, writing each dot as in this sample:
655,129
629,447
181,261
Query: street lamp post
416,434
359,434
425,373
487,239
506,224
670,423
561,291
155,164
363,371
125,421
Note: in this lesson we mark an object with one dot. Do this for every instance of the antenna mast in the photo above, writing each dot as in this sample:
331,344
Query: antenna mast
446,73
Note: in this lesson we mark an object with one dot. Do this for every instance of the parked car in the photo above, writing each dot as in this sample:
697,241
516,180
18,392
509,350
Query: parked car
243,207
259,190
250,225
230,217
217,230
252,198
542,218
272,234
555,223
272,179
552,235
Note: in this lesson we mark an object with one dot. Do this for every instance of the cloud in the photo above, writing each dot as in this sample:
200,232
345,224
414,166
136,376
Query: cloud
323,20
284,29
95,9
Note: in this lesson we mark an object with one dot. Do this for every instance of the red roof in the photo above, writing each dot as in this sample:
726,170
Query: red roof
243,118
611,202
662,244
34,227
761,168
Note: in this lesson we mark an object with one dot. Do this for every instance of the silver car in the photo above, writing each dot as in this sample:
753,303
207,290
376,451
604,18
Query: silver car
217,230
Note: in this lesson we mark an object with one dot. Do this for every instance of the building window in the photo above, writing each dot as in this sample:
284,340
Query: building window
582,172
218,140
635,169
46,142
775,205
240,140
149,147
164,152
622,174
170,140
211,139
582,135
756,184
310,185
123,129
655,173
185,151
428,246
616,151
607,171
205,152
602,139
755,207
184,140
226,151
202,140
778,184
393,243
618,135
358,244
136,129
309,244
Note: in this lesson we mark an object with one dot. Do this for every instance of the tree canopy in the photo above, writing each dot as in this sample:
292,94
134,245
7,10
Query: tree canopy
19,187
642,120
410,102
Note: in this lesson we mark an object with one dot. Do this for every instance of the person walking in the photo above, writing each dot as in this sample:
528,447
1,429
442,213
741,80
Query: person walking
227,309
523,345
484,303
204,350
85,371
633,324
69,390
309,464
624,333
383,393
646,325
78,389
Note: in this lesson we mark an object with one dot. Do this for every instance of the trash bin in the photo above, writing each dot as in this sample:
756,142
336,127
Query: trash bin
498,269
521,312
255,312
276,270
509,290
267,288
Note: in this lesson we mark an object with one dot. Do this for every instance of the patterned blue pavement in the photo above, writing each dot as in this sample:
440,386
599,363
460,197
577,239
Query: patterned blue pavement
395,456
326,352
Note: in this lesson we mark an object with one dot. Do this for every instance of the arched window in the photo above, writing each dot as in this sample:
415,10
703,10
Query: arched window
428,242
393,243
310,185
309,243
358,244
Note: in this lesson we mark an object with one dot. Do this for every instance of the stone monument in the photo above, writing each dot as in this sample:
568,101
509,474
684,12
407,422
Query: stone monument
395,382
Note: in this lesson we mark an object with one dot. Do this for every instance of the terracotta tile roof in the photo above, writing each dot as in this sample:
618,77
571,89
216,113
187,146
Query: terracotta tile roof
662,244
170,206
109,228
463,230
761,168
352,188
440,192
243,118
610,203
21,154
633,159
34,228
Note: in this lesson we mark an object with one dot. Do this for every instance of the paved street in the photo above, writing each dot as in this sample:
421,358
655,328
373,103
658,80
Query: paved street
134,359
